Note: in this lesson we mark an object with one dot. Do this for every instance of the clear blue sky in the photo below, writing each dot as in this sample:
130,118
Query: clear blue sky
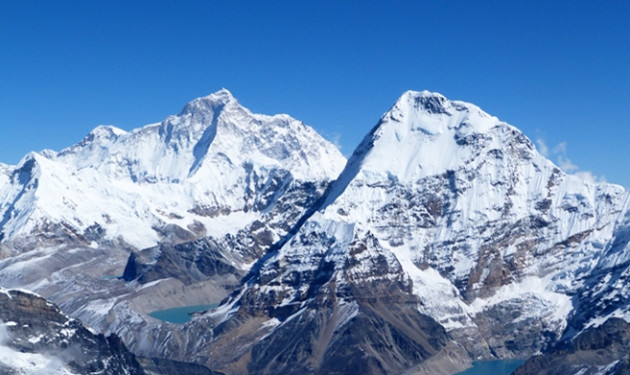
560,71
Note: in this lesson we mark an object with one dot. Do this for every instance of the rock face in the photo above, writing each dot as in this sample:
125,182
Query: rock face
341,322
602,350
604,292
155,366
36,337
445,238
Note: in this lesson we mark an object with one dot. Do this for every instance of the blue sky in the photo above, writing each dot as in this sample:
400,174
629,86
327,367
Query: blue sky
559,71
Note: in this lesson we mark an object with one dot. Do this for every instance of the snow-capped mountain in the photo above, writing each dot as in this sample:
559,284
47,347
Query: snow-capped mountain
444,208
445,238
214,167
230,181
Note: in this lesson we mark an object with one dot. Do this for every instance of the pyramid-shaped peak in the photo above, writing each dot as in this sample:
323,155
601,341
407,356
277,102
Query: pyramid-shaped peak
423,134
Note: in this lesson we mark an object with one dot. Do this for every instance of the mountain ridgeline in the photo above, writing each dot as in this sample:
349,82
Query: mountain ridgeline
445,238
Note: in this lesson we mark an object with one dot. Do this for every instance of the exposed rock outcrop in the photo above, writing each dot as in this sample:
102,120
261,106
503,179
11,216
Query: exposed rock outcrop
37,336
602,350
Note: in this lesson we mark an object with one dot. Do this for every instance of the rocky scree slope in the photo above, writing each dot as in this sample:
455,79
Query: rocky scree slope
601,350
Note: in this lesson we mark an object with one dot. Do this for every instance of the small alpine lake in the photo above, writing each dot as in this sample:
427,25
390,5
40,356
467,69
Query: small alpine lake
497,367
180,315
111,277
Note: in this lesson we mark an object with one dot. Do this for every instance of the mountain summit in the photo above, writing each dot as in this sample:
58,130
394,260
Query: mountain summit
426,130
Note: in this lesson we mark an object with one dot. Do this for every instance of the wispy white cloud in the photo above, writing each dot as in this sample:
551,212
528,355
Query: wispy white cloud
542,147
590,177
336,138
561,148
559,151
566,164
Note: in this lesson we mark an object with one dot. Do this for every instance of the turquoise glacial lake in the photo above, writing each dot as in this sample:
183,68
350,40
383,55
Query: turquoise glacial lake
499,367
180,314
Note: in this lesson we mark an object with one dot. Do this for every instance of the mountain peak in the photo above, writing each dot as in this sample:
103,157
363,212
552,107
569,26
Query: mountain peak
221,95
104,132
422,134
213,102
216,155
425,101
432,113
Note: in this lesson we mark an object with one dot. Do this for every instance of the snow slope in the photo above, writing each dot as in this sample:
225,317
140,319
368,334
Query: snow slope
36,338
28,363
